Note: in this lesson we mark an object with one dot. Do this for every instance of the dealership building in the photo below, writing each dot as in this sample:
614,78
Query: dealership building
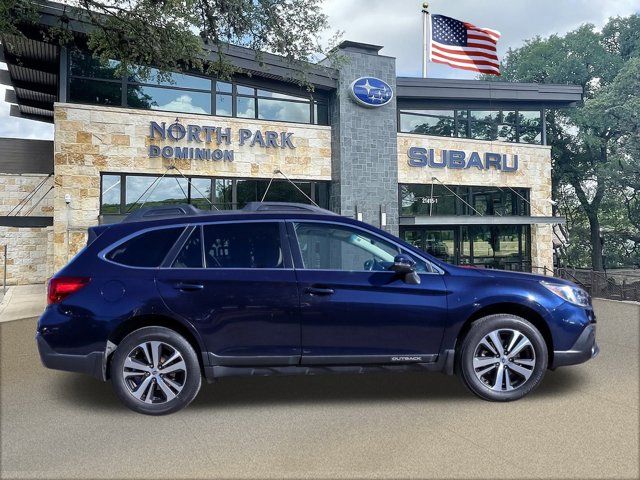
459,168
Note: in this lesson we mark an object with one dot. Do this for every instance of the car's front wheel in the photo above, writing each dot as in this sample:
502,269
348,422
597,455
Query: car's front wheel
155,371
502,358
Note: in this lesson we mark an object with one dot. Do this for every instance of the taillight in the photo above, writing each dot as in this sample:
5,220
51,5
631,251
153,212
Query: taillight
61,287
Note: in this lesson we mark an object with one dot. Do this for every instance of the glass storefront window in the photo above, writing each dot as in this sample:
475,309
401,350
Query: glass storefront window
157,98
530,127
224,87
224,105
269,109
227,193
153,191
83,64
489,246
110,198
428,122
503,125
181,80
320,113
223,198
200,195
420,199
95,92
94,82
246,107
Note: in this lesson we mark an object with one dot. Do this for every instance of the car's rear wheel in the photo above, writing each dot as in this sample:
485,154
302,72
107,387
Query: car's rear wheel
155,371
502,358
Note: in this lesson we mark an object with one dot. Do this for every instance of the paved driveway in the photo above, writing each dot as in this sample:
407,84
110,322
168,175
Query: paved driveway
581,423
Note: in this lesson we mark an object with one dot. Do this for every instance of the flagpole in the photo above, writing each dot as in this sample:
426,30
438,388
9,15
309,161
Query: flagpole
425,37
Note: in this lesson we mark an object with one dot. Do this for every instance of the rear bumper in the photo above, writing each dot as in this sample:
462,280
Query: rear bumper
92,364
584,349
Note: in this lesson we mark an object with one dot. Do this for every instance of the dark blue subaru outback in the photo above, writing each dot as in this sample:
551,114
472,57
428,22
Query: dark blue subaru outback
172,294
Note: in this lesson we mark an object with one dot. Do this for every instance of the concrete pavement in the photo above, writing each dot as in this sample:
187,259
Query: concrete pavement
581,423
23,301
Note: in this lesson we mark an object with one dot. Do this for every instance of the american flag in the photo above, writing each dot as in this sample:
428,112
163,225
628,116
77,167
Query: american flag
463,45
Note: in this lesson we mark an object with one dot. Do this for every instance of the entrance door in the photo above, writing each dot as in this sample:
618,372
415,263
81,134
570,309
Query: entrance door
354,310
235,283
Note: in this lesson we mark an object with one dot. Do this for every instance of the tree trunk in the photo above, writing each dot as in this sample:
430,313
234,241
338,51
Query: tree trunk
596,247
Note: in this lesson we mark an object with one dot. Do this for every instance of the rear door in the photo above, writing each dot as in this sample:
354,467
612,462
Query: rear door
234,281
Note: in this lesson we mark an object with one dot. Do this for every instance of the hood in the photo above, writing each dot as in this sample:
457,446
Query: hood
507,275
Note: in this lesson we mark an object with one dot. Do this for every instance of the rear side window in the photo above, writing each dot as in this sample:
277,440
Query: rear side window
190,255
147,249
243,245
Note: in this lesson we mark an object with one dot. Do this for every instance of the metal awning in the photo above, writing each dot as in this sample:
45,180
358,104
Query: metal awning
33,73
480,220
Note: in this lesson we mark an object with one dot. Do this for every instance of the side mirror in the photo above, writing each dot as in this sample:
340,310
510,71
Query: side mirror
405,266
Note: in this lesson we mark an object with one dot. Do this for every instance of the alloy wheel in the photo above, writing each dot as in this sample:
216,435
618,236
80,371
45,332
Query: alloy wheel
504,359
154,372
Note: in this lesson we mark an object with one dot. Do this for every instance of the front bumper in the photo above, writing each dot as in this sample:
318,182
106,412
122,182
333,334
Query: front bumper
93,364
584,349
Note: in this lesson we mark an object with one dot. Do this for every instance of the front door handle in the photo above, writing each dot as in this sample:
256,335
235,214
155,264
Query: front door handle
319,291
189,287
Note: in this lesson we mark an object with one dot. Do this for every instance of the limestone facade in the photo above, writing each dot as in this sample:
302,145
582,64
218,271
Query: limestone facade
534,173
89,140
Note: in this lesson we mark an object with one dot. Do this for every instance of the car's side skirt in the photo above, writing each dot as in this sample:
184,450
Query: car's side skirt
335,365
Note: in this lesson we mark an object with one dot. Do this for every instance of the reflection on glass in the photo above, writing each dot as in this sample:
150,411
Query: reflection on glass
153,191
283,96
321,114
282,110
283,191
152,75
245,107
223,87
201,193
530,129
110,201
83,64
440,126
156,98
95,92
223,194
223,105
440,244
242,90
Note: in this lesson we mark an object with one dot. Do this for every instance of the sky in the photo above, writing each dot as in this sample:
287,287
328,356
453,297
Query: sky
397,25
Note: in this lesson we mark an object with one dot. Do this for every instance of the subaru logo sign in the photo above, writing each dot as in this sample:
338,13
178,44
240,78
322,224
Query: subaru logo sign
371,92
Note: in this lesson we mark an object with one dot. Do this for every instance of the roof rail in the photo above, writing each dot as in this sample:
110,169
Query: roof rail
275,207
163,211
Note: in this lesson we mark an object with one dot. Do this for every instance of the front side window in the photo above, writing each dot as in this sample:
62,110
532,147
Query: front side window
147,249
326,246
243,245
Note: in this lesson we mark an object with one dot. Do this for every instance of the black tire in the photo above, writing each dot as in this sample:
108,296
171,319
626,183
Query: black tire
189,377
487,387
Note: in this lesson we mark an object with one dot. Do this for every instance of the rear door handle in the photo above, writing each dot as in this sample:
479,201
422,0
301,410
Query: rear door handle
189,286
319,291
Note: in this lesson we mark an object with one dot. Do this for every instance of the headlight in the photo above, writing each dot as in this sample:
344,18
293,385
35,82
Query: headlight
574,295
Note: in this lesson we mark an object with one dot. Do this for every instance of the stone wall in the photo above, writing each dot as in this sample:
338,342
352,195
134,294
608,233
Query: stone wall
93,139
534,173
29,250
364,144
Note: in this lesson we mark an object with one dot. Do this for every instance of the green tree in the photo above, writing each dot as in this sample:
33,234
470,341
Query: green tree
592,145
174,35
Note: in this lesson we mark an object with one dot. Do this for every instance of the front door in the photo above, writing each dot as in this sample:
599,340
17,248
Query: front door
353,309
235,283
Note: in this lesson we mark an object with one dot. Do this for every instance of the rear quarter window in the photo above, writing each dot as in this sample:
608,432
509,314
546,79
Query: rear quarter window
147,249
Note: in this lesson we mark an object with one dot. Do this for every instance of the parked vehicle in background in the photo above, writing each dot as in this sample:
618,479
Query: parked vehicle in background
173,294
